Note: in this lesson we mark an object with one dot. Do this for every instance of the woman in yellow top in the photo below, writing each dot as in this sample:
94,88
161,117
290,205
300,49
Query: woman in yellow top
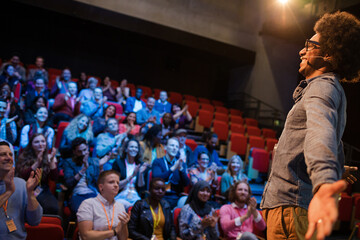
151,218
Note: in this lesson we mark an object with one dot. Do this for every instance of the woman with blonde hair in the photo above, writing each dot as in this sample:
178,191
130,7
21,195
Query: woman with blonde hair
233,173
80,126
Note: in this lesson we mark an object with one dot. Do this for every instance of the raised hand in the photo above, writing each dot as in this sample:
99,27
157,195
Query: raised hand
32,182
323,212
9,181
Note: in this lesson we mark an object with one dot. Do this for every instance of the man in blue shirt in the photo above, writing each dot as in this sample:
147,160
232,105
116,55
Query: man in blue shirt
148,114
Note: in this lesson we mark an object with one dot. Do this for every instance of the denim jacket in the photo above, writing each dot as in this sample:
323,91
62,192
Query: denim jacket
310,151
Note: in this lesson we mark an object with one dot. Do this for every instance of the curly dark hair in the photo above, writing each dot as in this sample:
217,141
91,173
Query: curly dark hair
339,38
232,191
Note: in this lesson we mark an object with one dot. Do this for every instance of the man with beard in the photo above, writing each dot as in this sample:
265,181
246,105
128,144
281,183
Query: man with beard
81,173
237,218
211,141
173,171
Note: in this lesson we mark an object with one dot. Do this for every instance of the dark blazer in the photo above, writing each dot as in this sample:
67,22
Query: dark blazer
141,224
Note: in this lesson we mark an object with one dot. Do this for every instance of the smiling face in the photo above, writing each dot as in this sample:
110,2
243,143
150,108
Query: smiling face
204,194
39,144
6,158
110,186
41,114
82,123
172,147
132,149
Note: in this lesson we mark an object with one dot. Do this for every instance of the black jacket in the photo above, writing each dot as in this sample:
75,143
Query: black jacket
141,224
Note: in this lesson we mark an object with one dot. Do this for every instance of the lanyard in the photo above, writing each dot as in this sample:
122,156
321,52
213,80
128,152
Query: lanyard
156,222
112,219
5,208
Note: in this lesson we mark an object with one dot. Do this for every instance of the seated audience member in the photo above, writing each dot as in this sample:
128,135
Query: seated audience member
8,130
167,127
211,140
233,173
88,94
180,116
185,151
19,71
17,197
100,122
66,105
203,171
8,76
131,169
61,83
34,156
82,82
197,219
13,108
148,114
151,144
29,116
237,218
79,127
109,141
39,71
40,126
173,171
96,107
101,217
81,173
123,92
153,214
162,105
134,104
108,91
129,125
38,90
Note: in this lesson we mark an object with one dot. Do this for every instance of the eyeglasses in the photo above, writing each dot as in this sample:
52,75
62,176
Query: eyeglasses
310,45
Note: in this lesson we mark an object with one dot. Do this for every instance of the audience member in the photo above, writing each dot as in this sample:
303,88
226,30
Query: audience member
39,71
237,218
148,114
66,105
123,92
132,179
29,116
211,140
79,127
82,82
19,71
134,104
88,93
95,214
100,122
151,144
17,198
8,76
185,151
108,91
153,214
40,126
179,117
129,125
38,90
81,173
8,130
173,171
35,156
162,105
197,219
233,173
61,83
95,107
167,127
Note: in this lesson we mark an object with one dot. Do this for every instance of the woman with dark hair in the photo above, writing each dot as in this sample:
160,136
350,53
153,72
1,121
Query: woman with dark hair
34,156
29,116
197,219
153,214
129,125
153,149
108,90
8,76
233,173
131,170
40,126
100,122
180,116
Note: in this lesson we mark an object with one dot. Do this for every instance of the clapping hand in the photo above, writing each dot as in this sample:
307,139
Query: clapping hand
33,180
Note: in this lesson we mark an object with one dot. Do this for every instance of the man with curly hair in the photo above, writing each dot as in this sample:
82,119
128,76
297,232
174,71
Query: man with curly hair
299,197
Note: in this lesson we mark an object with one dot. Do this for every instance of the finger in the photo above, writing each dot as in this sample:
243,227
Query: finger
310,231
